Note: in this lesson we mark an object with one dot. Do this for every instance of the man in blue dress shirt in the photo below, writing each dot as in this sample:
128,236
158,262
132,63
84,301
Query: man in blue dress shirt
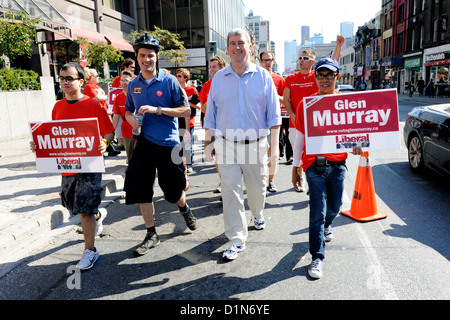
243,110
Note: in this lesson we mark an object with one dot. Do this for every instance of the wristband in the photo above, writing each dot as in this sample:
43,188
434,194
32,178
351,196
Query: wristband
159,111
106,142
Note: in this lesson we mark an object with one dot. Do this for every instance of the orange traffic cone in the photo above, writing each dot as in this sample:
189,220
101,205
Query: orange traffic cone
364,205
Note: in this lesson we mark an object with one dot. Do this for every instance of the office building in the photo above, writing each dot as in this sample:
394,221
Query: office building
347,30
305,35
202,24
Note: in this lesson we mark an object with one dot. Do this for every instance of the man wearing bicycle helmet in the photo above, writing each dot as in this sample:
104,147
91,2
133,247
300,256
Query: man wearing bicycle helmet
161,100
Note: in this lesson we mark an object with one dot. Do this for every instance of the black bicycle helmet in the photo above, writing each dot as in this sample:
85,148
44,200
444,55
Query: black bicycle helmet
147,41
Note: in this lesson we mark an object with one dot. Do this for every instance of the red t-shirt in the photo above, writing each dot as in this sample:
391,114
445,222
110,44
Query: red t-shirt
85,108
119,108
309,159
205,92
300,85
279,84
190,91
92,90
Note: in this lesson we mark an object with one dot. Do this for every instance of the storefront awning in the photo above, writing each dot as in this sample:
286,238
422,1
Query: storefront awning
90,35
119,43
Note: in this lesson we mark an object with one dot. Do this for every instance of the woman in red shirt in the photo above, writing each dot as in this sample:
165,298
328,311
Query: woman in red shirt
93,90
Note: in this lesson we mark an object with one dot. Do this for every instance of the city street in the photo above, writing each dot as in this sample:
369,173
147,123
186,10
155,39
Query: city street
405,256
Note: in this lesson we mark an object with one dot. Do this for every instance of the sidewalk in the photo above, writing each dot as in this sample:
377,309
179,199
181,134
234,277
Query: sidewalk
30,206
423,99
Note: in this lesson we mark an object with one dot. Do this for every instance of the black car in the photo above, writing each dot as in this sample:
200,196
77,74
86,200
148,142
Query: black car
427,137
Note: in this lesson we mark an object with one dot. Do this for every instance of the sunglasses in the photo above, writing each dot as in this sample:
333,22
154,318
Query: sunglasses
305,58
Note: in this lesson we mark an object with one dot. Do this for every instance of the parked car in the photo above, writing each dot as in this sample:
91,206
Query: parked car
427,137
344,88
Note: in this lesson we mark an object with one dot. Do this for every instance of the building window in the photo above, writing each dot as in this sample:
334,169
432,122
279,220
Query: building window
122,6
401,12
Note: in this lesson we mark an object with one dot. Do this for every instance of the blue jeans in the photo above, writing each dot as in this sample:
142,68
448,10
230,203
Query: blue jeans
325,202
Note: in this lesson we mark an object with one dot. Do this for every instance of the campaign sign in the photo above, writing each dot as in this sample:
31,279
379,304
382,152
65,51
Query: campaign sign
67,146
113,93
336,123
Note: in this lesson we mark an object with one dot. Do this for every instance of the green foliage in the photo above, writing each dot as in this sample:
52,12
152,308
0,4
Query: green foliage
99,52
17,79
17,32
171,45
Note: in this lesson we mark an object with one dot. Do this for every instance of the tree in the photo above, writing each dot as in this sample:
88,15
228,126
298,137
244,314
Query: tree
17,33
171,45
98,53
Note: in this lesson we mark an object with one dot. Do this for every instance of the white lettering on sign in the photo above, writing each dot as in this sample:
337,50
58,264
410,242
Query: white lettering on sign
46,142
327,118
58,131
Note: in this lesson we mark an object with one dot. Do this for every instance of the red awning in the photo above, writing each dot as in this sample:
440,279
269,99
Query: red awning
119,43
91,35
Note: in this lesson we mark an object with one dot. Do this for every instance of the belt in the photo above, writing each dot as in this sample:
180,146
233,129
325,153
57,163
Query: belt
335,163
243,141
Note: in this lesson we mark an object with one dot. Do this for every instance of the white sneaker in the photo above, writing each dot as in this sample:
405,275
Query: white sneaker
99,223
88,259
219,188
328,234
259,223
232,251
272,187
315,269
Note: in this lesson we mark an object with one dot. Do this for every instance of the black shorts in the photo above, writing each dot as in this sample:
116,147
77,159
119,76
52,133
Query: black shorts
82,193
147,159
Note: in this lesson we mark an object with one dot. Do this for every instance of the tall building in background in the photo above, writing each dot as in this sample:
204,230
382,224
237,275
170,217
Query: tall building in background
305,35
290,56
317,39
347,30
202,24
261,30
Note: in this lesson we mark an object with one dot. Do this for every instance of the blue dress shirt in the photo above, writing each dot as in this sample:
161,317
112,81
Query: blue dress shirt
242,108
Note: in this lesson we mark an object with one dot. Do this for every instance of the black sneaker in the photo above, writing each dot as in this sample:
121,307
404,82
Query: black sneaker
191,221
151,240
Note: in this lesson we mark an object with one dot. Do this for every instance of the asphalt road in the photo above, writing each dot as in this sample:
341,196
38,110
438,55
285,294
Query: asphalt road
405,256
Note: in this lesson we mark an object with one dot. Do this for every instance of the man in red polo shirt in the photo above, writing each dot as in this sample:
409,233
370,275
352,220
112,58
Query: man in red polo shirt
299,85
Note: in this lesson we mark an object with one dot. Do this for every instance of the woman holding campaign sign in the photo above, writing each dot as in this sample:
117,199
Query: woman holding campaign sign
325,174
81,192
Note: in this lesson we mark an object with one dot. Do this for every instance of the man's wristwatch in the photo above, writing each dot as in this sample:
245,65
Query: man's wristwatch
159,111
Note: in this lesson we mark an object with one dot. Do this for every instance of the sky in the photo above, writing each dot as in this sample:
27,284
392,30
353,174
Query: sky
322,16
